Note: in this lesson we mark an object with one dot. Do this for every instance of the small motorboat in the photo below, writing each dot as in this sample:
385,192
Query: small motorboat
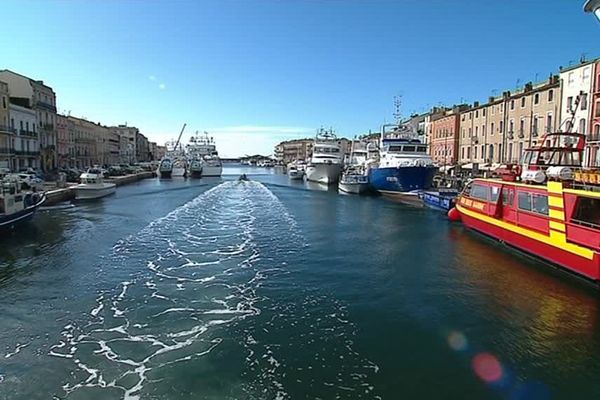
16,205
295,172
92,186
354,180
442,199
243,178
165,168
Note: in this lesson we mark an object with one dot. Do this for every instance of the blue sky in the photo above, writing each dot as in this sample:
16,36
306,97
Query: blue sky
255,72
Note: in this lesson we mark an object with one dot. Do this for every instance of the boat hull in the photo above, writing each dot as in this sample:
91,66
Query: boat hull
8,222
323,173
208,171
353,187
91,193
392,180
195,173
296,175
504,232
178,171
165,174
438,201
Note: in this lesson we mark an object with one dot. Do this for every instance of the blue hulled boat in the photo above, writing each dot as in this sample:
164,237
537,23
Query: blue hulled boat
404,169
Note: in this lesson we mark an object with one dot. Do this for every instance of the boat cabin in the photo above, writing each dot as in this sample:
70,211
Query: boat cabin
410,146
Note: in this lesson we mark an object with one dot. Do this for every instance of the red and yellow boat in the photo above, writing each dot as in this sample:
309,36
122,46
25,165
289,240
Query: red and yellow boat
548,207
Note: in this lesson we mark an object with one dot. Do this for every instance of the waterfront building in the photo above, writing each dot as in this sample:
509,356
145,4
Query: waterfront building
576,83
443,135
7,148
64,145
593,137
435,113
499,131
142,148
34,94
23,120
114,152
83,134
127,143
160,152
295,149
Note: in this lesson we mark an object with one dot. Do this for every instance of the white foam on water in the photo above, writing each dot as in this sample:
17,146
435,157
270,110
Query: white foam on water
208,245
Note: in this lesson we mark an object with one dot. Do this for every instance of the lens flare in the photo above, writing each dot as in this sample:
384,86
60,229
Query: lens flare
487,367
457,341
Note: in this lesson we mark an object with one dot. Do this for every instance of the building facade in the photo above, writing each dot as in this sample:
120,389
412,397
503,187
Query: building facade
576,99
142,148
34,94
127,143
593,138
63,142
7,149
26,145
443,135
499,131
291,150
83,134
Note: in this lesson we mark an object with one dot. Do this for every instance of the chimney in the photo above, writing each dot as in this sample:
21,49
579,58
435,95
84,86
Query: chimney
475,104
491,99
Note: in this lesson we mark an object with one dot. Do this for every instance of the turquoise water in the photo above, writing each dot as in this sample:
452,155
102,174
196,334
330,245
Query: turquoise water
218,289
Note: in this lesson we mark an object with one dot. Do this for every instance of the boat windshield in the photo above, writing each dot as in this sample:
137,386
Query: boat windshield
326,149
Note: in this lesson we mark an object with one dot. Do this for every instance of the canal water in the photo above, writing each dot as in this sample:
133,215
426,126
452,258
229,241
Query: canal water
270,289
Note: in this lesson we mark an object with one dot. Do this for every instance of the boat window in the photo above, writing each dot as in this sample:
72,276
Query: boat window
524,201
395,148
422,149
480,192
587,212
495,194
539,203
408,149
508,196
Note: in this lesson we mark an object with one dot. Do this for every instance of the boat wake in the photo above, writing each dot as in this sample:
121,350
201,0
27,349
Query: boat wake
201,279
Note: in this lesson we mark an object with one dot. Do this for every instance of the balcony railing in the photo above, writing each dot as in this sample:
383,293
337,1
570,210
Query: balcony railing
46,106
7,129
27,153
24,132
7,151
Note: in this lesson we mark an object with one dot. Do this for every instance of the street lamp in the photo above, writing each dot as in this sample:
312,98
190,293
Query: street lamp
592,6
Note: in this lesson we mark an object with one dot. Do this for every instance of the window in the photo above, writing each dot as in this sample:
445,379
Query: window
508,196
569,102
476,113
512,104
549,123
522,126
535,125
536,98
476,131
571,78
491,154
537,203
511,126
550,95
583,101
4,102
470,115
501,126
483,130
492,129
495,194
475,152
522,102
582,124
480,192
587,212
21,122
483,152
524,201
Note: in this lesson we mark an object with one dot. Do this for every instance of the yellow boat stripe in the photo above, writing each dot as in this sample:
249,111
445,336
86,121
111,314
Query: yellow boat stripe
584,193
558,226
556,214
556,239
555,187
556,202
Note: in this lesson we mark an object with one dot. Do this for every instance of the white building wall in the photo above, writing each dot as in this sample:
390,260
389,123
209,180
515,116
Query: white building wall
576,83
26,146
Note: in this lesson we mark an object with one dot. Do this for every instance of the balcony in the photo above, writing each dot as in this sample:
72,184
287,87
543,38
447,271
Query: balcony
7,151
27,153
48,127
46,106
23,132
7,129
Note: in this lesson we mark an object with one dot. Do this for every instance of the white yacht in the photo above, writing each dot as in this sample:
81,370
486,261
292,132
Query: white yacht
327,159
206,151
92,186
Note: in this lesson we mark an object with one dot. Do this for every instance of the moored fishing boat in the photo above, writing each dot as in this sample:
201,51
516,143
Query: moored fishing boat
354,180
16,205
295,172
165,168
548,207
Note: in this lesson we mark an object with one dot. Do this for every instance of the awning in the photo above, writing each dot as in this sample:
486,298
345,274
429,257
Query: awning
446,168
467,166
